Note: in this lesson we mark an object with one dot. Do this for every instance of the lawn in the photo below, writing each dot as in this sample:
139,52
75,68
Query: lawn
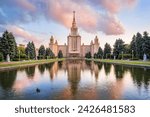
124,62
26,63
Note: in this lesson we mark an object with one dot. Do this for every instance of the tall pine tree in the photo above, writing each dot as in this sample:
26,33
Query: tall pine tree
30,51
118,47
107,50
8,45
42,52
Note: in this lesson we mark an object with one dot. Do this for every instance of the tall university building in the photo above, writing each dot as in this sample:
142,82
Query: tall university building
74,47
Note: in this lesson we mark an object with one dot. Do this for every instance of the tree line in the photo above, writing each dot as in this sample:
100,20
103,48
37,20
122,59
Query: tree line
48,53
138,47
8,48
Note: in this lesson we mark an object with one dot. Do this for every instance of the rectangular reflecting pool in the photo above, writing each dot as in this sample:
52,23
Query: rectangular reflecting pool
74,80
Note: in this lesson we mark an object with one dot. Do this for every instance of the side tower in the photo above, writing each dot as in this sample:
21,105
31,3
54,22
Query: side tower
53,46
74,40
95,46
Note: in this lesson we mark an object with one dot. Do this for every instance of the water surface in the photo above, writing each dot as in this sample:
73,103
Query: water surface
76,79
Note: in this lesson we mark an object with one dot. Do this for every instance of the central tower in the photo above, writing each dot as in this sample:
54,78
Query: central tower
74,40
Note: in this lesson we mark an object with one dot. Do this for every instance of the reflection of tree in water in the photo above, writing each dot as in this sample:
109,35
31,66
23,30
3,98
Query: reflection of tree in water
88,63
119,71
140,76
21,69
51,71
107,68
41,68
49,66
74,75
7,78
97,68
99,64
60,63
30,71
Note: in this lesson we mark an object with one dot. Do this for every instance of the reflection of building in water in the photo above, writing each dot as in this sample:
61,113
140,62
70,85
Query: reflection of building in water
74,75
74,69
53,71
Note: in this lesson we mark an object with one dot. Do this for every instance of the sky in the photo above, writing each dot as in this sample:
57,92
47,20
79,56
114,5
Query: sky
37,20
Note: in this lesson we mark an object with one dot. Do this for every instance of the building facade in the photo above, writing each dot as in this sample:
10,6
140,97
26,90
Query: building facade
74,47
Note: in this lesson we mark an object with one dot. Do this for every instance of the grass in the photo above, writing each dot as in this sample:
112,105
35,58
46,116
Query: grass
4,65
124,62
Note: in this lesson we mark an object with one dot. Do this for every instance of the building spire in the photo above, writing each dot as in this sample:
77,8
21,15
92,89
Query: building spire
74,20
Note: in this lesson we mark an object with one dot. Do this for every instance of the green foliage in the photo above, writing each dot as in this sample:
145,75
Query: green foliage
107,50
95,55
133,46
49,53
88,55
100,53
127,49
21,53
1,57
60,54
42,52
140,45
146,44
118,47
30,51
8,45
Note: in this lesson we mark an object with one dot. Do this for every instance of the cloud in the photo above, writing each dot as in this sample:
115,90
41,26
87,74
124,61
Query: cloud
20,32
114,6
26,5
92,15
89,19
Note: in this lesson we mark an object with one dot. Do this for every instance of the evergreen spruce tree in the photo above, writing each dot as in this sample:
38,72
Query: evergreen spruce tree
107,50
4,44
60,54
30,51
139,46
88,55
49,53
8,45
118,47
133,46
146,44
42,52
100,53
33,52
13,51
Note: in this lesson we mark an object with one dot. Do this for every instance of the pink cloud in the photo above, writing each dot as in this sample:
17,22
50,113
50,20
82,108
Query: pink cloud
92,15
20,32
111,25
115,6
26,5
87,18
